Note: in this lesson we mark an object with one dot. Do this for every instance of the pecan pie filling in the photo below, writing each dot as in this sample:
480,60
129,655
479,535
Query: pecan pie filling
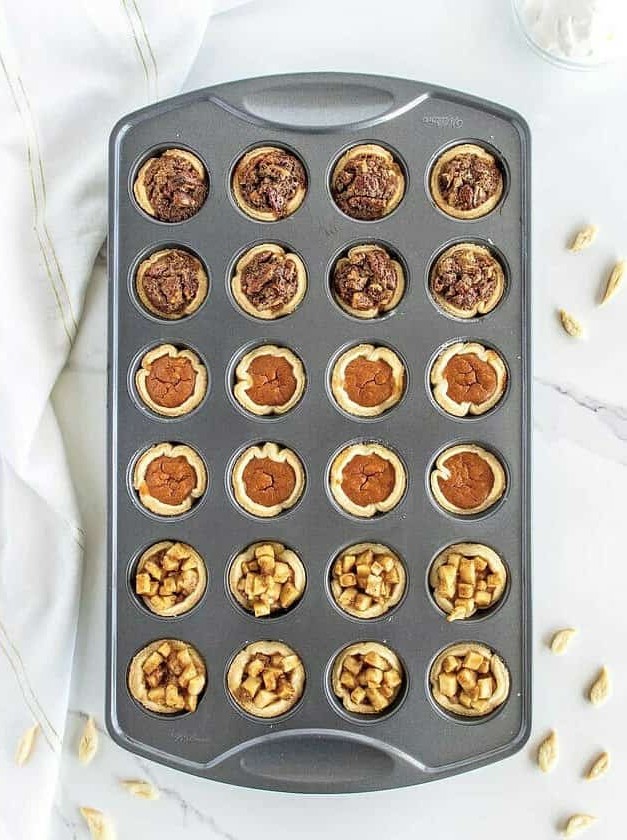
175,186
365,184
368,479
471,480
170,284
465,277
368,383
269,281
170,381
273,380
170,480
269,482
269,180
366,279
467,181
470,379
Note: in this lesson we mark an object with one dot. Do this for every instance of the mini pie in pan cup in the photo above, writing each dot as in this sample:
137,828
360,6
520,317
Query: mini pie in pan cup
270,380
367,580
267,578
469,679
367,282
269,183
367,183
269,282
467,280
266,679
467,479
171,187
171,284
367,677
366,479
169,478
171,382
170,578
465,578
367,380
468,378
167,677
267,479
466,181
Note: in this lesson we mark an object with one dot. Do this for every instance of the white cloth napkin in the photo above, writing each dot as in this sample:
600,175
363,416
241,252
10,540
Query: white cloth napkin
68,71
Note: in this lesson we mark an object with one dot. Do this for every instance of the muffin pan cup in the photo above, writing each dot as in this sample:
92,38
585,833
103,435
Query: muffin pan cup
316,748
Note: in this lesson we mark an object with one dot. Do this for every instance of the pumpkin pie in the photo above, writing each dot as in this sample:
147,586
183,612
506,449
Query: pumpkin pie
367,478
465,578
171,284
466,181
170,578
170,381
368,380
467,280
467,479
468,378
267,480
367,183
269,282
171,187
469,679
367,677
367,282
269,183
168,677
267,578
367,580
269,380
169,478
266,679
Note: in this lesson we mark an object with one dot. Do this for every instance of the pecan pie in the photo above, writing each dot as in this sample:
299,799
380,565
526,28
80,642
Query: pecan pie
267,479
467,479
467,280
169,478
367,677
467,577
267,578
367,183
167,676
468,378
367,580
170,381
367,478
367,282
171,284
368,380
466,181
170,578
469,679
269,183
269,380
171,187
269,282
266,679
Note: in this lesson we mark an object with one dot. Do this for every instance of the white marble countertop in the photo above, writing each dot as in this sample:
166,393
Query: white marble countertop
578,121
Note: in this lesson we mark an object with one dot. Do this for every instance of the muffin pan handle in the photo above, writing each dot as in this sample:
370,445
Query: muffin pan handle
318,101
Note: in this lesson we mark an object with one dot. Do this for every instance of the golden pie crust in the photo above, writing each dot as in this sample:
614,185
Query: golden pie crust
367,677
274,453
441,471
139,187
169,450
388,158
465,578
369,353
265,215
184,677
170,578
267,578
469,679
374,311
245,380
271,690
440,384
471,252
278,311
200,385
367,449
192,306
367,580
434,182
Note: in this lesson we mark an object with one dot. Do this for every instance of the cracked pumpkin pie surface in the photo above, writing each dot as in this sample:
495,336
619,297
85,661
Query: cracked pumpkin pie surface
269,380
367,183
171,187
168,677
171,381
367,478
367,677
468,378
266,679
267,479
169,478
368,380
467,479
466,181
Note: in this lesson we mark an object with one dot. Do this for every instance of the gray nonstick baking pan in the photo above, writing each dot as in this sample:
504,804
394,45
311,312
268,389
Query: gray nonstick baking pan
316,748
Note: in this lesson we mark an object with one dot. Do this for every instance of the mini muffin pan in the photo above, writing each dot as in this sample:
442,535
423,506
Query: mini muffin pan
317,747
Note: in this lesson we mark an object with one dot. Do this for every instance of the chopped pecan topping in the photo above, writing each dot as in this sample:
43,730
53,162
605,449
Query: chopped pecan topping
270,180
170,283
269,280
365,185
465,277
467,181
365,279
175,188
